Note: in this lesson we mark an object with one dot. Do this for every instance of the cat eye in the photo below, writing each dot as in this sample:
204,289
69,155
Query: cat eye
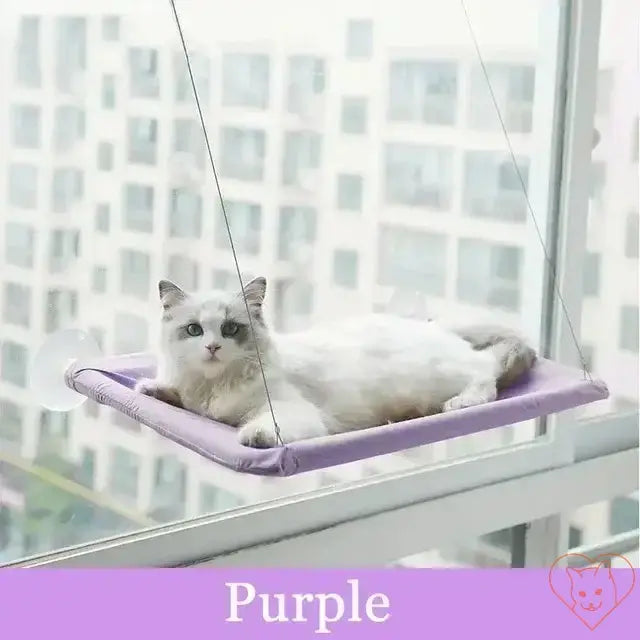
194,329
229,329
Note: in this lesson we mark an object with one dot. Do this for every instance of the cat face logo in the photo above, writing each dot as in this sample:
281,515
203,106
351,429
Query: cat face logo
593,591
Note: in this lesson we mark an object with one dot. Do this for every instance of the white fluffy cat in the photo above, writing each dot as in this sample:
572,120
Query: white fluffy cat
362,372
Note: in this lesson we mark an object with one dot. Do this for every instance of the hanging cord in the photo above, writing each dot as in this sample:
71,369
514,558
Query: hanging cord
554,280
224,213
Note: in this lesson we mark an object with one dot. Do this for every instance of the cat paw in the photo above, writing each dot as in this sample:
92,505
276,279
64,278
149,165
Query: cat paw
460,402
159,391
258,436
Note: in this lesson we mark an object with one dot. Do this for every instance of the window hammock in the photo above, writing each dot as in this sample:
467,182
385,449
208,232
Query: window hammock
548,388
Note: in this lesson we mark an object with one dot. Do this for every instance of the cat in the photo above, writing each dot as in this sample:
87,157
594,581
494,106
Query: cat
593,591
358,373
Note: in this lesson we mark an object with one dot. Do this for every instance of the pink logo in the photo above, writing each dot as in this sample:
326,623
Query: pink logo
592,591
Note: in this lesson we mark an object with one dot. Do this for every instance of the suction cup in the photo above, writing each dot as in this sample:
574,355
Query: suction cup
47,377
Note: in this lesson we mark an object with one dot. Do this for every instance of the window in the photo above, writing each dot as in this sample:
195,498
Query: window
143,73
628,340
245,80
103,218
345,268
513,87
143,140
354,115
67,189
11,420
68,127
108,91
631,235
16,304
25,126
28,68
64,249
185,214
418,175
138,207
105,156
61,308
123,473
183,271
349,192
306,83
99,279
359,38
130,333
492,188
98,335
214,498
23,186
135,273
623,515
301,159
575,537
424,91
19,245
188,140
412,259
111,28
489,274
201,71
242,153
13,363
71,52
87,468
591,274
293,300
169,487
245,221
297,231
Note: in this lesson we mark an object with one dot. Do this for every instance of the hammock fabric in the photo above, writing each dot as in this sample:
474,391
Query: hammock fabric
548,388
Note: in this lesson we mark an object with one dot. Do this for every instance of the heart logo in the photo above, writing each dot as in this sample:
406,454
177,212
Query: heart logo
592,590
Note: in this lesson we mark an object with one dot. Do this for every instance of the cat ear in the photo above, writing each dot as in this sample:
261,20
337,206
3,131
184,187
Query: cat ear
603,565
254,291
573,573
170,294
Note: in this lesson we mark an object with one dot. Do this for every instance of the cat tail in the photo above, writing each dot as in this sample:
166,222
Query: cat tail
512,352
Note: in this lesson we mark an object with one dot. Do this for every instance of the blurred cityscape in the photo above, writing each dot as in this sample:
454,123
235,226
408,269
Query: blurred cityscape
363,168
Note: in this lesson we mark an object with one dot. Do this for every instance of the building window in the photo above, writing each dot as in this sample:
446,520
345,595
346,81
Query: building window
123,473
349,196
105,156
169,490
245,80
423,91
16,304
409,259
201,71
11,420
61,308
68,127
214,499
25,126
13,361
359,38
489,274
293,299
111,28
628,340
301,160
492,188
67,189
71,52
188,140
64,249
418,175
513,86
103,218
183,271
632,233
243,152
623,515
130,334
345,268
591,274
143,73
99,279
185,214
138,207
297,231
28,71
23,186
245,222
108,91
354,115
143,140
306,83
98,335
19,245
87,467
135,273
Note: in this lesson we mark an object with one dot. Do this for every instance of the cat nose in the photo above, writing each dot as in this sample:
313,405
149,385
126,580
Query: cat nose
213,347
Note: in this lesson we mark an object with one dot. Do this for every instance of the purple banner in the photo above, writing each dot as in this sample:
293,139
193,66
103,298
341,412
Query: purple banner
296,604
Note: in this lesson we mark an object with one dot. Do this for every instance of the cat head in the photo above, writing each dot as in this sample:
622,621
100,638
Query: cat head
591,587
205,334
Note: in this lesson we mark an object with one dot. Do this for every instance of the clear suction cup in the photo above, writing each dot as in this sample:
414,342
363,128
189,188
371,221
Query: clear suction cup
47,376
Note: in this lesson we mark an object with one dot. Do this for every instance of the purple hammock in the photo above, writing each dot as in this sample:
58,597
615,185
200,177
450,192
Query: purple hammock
548,388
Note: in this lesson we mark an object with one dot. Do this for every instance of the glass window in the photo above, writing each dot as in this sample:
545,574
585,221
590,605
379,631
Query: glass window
245,80
23,185
16,304
354,115
185,214
103,218
11,423
245,222
143,140
135,273
213,498
61,308
345,268
87,469
70,52
301,159
359,38
64,249
169,488
67,188
99,279
623,515
200,67
297,231
108,91
28,65
68,127
306,79
13,361
242,153
111,28
25,126
349,192
629,328
124,473
19,244
138,207
189,141
105,156
591,274
130,333
144,81
183,271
